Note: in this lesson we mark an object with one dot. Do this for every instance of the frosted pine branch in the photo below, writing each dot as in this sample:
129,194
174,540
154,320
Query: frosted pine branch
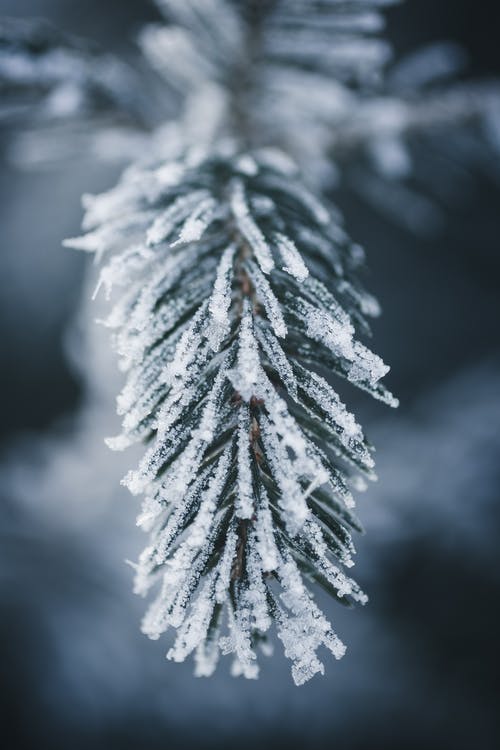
236,299
223,326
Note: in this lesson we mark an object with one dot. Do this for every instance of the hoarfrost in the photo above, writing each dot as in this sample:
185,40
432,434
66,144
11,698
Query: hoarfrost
268,298
249,228
244,502
293,262
220,301
250,453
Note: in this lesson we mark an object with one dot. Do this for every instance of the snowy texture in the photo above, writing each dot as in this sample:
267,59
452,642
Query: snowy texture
234,288
236,300
220,325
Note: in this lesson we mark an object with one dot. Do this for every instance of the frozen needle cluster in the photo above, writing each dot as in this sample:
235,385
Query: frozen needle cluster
223,328
236,304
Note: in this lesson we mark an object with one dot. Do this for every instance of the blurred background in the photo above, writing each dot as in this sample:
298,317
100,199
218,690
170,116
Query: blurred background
422,662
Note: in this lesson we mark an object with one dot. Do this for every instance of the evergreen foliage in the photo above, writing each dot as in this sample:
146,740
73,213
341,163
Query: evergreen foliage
237,304
240,296
239,290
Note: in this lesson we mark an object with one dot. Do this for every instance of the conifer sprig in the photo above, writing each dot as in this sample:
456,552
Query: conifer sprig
239,292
